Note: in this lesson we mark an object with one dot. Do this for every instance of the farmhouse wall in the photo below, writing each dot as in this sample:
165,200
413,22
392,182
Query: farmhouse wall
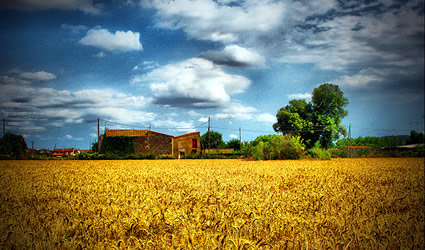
183,144
154,143
151,142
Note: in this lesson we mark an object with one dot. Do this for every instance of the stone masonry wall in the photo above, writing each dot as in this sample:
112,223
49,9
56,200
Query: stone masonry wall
153,143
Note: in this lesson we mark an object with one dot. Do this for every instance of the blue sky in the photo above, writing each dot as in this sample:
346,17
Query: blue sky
171,64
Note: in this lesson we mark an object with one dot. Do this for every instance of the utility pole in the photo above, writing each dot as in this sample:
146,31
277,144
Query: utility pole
209,136
98,135
349,140
150,126
240,137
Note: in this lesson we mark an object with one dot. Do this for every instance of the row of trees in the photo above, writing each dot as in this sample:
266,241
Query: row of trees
312,126
382,142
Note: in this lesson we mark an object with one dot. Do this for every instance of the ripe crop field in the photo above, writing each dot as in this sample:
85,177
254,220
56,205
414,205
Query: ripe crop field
342,203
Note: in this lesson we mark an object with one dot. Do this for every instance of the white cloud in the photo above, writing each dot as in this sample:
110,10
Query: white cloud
266,118
146,65
234,55
118,41
218,21
300,96
13,80
87,6
193,113
367,39
195,82
298,32
100,55
363,78
236,111
203,119
68,136
37,76
67,107
233,136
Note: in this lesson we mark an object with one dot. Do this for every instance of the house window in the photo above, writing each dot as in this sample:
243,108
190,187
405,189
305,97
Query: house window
194,143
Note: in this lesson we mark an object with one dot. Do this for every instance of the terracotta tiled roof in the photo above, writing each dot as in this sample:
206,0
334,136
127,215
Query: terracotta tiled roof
62,150
192,133
126,132
138,132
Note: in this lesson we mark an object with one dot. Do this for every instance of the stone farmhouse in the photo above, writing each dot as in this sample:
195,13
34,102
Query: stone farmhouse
151,142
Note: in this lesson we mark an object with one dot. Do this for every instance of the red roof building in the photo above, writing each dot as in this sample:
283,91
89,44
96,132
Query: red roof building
63,152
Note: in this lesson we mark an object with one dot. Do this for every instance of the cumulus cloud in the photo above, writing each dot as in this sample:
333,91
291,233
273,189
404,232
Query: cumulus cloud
266,118
196,83
236,111
118,41
300,96
333,35
37,76
233,136
363,78
193,113
203,119
87,6
234,55
24,78
221,21
41,106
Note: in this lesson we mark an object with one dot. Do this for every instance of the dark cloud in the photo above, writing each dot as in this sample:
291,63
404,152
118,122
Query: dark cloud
21,99
220,59
70,104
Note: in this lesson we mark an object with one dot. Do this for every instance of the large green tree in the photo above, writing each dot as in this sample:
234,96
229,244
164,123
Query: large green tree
296,118
215,139
13,145
234,143
318,120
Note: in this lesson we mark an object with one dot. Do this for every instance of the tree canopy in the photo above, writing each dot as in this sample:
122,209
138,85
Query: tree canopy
234,143
12,145
318,120
216,140
415,137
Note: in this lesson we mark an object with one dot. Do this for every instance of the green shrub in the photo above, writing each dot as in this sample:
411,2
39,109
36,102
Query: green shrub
165,157
275,147
338,153
319,153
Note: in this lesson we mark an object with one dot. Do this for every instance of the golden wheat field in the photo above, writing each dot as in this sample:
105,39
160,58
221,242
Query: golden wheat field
210,204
